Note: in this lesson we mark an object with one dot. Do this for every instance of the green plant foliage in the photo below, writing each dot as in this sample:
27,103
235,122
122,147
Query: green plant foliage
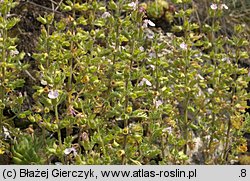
29,150
155,10
10,66
113,89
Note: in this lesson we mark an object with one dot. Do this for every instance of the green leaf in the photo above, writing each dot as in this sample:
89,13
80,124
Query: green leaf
17,160
135,162
244,55
60,25
194,127
113,5
182,156
12,22
191,108
177,28
81,20
66,8
24,114
139,114
100,22
177,1
17,83
50,18
46,101
31,118
42,20
82,7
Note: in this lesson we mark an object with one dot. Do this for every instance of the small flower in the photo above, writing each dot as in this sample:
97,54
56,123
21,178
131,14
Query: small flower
8,15
106,15
6,133
58,163
158,103
133,5
150,23
151,66
223,6
183,46
168,130
147,22
213,6
201,78
141,49
67,151
145,81
225,59
152,55
142,9
72,111
44,82
14,52
150,35
53,94
85,137
210,90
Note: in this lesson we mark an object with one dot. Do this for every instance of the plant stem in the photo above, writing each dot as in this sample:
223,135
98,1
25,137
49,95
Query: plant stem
185,123
4,58
213,62
125,122
69,86
229,123
58,130
47,47
69,83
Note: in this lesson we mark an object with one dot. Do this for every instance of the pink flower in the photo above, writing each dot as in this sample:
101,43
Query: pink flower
223,6
72,111
147,22
142,10
67,151
133,5
158,103
213,6
141,48
106,15
183,46
149,34
53,94
14,52
145,81
85,136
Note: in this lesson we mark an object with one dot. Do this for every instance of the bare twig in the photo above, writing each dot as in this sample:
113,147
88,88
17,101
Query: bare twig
43,7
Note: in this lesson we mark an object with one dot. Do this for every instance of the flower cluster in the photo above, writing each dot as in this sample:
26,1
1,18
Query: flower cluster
214,6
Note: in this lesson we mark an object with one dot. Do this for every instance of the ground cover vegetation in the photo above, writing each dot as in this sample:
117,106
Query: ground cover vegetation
124,82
